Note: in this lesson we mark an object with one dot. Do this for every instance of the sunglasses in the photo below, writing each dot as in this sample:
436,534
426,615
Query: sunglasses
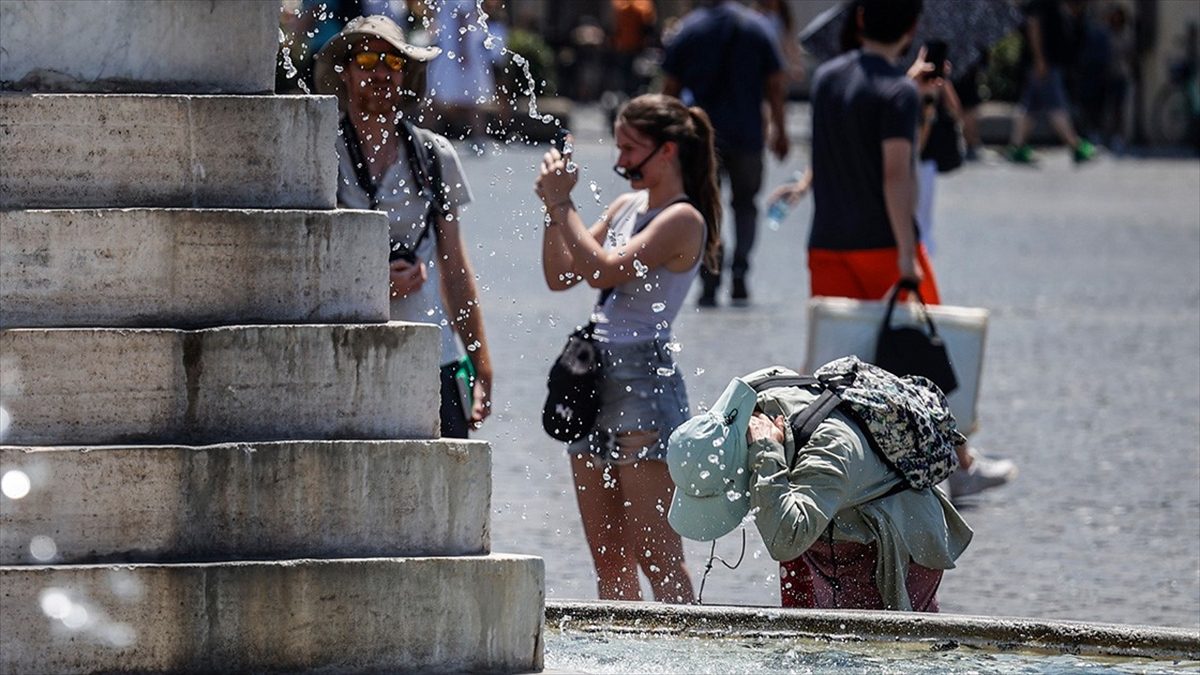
369,60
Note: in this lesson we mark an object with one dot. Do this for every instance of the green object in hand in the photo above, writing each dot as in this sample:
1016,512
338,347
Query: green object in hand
464,377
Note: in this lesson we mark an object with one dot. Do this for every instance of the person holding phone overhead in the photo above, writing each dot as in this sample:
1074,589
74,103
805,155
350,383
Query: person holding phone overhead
938,139
644,252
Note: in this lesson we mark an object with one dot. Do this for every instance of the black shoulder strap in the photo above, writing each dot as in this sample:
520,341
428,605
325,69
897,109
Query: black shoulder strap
787,381
804,423
358,161
425,164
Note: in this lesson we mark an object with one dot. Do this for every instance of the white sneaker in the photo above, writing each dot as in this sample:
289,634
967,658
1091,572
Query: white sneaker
984,473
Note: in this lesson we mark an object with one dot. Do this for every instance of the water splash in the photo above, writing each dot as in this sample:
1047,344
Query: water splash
289,68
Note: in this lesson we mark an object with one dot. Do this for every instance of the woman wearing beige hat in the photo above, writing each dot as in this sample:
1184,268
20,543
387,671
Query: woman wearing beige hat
388,164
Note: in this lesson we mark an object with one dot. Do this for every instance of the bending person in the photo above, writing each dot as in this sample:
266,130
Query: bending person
648,248
847,530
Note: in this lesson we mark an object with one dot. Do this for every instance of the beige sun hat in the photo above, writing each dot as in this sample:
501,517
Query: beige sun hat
336,52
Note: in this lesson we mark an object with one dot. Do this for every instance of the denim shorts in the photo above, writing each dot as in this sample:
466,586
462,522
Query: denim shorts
1046,94
640,389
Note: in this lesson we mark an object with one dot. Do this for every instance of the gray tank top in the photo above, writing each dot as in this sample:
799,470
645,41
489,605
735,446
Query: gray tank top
645,307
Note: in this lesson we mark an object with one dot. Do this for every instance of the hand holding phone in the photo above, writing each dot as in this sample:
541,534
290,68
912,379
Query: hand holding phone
561,141
935,54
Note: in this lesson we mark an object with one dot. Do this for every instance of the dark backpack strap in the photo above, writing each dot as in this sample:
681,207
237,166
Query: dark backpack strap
787,381
358,161
805,422
425,165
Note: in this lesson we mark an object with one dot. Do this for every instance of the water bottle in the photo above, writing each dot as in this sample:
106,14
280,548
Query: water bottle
776,212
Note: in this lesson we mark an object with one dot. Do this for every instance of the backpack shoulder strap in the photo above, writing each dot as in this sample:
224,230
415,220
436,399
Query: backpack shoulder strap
783,380
362,172
425,162
806,421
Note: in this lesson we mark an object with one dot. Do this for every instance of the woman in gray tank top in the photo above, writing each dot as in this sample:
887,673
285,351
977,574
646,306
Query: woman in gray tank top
647,248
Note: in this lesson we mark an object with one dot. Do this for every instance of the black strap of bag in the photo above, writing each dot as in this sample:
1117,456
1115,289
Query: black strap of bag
914,351
804,422
423,164
914,288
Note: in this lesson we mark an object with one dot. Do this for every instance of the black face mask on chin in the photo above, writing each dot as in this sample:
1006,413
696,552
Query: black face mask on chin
635,173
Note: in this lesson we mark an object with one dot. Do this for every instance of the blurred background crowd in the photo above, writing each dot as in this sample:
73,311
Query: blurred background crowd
1130,66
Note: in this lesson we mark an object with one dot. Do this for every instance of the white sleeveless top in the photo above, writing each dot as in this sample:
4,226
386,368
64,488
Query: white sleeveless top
644,307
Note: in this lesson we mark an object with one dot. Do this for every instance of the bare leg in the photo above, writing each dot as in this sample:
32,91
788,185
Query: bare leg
647,489
970,127
601,506
963,451
1021,128
1061,121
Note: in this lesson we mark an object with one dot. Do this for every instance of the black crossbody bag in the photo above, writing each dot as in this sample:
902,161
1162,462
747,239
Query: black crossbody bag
572,388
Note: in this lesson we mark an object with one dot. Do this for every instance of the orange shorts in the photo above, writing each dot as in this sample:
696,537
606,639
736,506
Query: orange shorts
864,274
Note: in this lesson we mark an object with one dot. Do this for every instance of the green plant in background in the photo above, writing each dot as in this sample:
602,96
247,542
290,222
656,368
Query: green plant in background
1003,75
541,63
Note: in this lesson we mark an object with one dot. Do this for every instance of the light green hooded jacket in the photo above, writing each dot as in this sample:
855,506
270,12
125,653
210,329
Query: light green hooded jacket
838,477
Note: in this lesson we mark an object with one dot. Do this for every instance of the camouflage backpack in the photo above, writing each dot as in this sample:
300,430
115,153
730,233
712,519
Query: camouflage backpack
906,420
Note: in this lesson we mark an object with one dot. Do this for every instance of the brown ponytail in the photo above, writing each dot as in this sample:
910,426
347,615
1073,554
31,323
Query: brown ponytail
664,118
700,183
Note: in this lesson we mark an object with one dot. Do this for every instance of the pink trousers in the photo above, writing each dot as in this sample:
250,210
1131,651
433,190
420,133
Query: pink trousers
842,576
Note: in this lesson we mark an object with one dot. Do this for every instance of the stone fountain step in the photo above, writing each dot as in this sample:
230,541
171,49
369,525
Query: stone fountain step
185,267
78,386
247,501
369,615
214,46
116,150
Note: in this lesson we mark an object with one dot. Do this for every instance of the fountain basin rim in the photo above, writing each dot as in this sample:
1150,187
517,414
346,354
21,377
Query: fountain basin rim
996,633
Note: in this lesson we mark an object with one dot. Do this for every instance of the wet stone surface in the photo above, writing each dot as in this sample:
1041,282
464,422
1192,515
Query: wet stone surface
1091,382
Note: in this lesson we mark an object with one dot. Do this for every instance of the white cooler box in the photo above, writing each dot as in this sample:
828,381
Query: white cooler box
840,327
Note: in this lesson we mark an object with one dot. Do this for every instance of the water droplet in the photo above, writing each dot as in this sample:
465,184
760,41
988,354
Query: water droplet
658,307
43,548
15,484
55,603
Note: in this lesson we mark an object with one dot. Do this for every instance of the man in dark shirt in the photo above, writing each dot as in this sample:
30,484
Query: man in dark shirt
1047,49
865,111
727,56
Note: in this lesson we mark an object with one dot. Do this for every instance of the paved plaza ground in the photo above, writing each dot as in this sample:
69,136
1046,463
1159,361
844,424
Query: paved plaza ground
1091,381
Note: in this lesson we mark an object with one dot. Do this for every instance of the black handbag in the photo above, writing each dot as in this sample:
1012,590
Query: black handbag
912,350
572,388
944,144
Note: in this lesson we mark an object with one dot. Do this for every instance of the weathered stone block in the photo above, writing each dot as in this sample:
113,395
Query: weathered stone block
240,383
86,150
138,46
466,614
247,501
184,267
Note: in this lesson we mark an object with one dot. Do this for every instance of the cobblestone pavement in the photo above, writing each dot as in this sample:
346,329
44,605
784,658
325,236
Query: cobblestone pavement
1091,381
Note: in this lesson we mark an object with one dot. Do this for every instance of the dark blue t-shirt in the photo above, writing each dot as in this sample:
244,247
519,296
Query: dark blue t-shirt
724,55
858,101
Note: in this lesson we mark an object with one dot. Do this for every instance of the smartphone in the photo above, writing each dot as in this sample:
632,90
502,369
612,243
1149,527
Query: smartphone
560,140
935,53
